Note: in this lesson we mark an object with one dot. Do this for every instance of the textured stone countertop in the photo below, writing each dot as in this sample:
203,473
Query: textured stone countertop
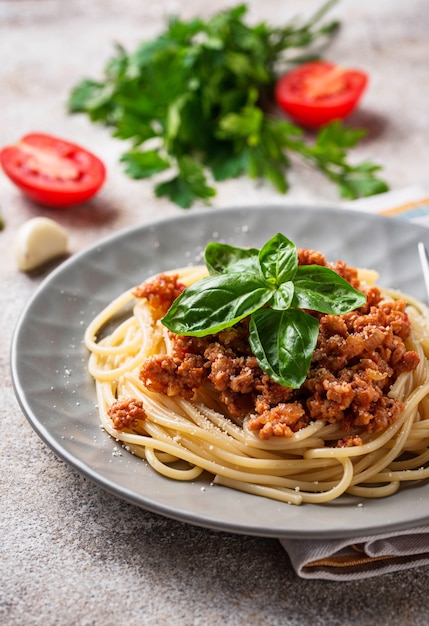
71,553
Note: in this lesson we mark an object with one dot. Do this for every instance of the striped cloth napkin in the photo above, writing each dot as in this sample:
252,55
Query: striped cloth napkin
364,557
359,557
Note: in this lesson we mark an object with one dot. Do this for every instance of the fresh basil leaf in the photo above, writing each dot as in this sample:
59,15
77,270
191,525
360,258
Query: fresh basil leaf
278,259
221,258
283,343
282,297
215,303
321,289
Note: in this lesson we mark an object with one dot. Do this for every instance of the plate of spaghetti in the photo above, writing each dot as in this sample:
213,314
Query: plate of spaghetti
260,370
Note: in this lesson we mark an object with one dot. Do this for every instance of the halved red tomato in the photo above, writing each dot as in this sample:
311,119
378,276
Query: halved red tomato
316,93
52,171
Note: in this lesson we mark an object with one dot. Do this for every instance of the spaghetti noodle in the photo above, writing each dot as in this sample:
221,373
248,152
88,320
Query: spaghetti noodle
181,438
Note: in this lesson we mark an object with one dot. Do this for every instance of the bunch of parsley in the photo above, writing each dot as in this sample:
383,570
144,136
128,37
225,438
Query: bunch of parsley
195,102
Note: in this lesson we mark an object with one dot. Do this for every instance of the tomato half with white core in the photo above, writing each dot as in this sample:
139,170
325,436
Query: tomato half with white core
318,92
52,171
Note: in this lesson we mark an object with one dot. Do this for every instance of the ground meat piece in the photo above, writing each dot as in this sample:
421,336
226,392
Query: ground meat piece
126,413
160,292
396,318
236,338
334,352
329,397
311,257
241,382
387,315
365,392
279,421
233,376
350,274
173,377
227,370
373,297
270,393
376,416
182,345
332,325
188,345
409,362
349,441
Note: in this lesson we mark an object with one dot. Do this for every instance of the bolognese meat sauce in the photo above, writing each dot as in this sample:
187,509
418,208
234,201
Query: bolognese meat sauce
358,356
160,292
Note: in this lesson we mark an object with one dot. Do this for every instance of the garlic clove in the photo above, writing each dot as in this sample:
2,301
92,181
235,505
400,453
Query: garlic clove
39,240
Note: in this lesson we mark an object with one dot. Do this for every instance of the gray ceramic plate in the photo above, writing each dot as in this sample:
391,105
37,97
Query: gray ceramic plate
57,395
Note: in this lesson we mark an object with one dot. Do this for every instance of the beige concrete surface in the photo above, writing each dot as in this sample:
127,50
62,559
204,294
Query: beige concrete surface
70,553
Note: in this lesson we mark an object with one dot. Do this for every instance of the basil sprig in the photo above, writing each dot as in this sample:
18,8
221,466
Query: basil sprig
269,286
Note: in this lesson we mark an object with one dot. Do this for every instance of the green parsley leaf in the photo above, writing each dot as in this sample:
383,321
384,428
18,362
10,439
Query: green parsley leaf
225,164
144,164
187,185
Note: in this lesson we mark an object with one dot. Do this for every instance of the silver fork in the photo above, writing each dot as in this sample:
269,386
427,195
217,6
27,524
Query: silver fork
424,260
